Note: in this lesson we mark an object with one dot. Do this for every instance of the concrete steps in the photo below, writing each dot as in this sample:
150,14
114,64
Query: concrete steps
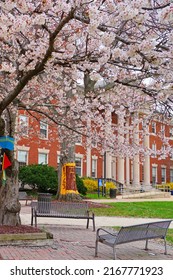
147,194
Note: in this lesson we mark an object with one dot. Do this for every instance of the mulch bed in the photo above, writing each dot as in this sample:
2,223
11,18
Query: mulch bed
90,203
4,229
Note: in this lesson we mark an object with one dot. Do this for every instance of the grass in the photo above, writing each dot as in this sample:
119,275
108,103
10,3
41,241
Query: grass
169,236
144,209
95,196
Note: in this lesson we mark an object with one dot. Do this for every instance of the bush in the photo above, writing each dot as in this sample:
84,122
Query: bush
39,176
165,186
92,185
80,185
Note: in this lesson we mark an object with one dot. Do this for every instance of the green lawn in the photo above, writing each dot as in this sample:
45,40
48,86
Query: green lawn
148,209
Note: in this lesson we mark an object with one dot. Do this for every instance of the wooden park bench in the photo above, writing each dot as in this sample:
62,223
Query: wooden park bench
132,233
54,209
23,196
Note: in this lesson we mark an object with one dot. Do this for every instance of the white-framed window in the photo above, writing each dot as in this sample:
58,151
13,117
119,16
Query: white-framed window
94,143
78,162
94,168
23,124
154,174
163,129
58,159
171,175
171,132
42,158
43,130
131,165
153,127
154,150
163,174
171,155
22,157
78,139
163,152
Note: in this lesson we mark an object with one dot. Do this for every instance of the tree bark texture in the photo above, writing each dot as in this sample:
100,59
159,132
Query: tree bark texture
9,202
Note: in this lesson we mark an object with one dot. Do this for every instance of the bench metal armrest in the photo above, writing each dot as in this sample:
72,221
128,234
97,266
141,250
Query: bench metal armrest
104,230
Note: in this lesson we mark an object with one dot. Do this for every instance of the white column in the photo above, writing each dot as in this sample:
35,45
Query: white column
113,167
88,151
108,134
136,163
120,159
127,171
146,182
127,158
108,165
120,171
88,162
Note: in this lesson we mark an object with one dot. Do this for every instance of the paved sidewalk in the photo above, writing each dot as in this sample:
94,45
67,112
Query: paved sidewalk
72,241
78,243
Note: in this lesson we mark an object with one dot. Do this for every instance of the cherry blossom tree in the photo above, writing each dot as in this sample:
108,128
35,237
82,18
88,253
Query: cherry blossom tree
75,60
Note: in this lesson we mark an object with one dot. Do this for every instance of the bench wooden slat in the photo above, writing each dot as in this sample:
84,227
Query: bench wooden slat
75,210
133,233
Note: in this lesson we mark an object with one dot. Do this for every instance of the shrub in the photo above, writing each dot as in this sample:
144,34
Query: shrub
92,185
165,186
80,185
39,176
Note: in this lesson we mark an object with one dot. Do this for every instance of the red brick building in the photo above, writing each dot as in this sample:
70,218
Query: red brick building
39,144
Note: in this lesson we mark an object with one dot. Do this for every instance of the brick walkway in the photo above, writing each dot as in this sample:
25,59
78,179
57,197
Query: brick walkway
77,243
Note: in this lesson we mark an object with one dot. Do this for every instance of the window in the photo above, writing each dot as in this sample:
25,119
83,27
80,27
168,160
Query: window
171,175
163,174
43,130
94,168
23,124
131,165
22,157
154,152
58,161
154,174
163,130
171,132
78,139
94,143
153,127
42,158
171,155
163,152
78,162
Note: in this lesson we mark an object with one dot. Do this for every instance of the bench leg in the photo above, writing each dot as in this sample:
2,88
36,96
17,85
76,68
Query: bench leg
114,253
32,219
93,218
96,248
165,246
146,245
35,220
87,222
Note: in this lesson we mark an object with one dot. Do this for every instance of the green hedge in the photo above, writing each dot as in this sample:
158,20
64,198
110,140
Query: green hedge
39,176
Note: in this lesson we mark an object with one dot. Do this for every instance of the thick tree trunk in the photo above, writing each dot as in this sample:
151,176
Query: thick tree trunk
9,202
67,183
